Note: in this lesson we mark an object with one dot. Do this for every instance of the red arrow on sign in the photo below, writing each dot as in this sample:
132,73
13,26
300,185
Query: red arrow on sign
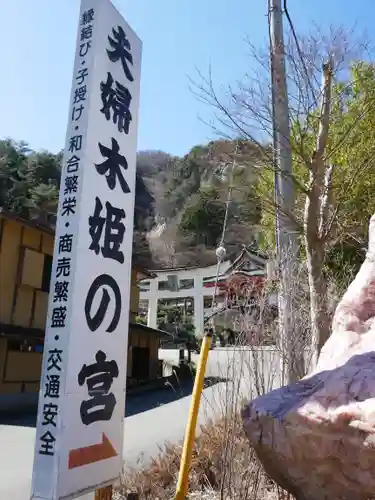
91,454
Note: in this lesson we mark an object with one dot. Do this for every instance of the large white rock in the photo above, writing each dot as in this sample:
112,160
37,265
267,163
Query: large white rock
316,437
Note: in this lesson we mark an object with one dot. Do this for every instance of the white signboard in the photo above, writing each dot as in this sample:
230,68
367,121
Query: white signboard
79,437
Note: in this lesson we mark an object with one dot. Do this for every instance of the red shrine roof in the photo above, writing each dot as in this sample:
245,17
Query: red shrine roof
224,281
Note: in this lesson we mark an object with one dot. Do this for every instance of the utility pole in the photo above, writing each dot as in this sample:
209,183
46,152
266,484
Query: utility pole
284,194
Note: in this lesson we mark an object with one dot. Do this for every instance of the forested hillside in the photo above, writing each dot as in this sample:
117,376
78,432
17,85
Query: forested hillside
190,201
180,202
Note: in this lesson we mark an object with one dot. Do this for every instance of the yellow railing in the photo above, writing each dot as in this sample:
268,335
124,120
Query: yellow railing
183,478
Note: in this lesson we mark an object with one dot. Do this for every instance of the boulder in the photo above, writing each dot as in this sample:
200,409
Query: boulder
316,437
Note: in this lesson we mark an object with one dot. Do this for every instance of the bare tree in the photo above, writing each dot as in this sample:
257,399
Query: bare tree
316,217
246,112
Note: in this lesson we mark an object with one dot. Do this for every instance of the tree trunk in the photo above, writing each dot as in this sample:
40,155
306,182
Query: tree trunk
315,255
320,324
315,223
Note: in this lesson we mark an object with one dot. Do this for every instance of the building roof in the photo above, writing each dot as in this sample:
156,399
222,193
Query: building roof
181,268
233,268
33,224
38,333
246,252
224,277
148,329
143,272
254,255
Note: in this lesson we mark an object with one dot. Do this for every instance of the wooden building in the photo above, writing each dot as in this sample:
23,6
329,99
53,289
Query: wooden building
26,250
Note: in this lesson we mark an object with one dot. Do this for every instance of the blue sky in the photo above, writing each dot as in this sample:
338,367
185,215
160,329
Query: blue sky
37,39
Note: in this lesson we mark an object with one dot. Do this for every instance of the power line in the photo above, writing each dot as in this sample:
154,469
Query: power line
291,25
220,251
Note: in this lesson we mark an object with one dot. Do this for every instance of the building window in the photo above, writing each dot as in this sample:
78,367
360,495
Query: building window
186,284
30,345
15,345
47,271
207,302
144,286
170,284
163,285
173,285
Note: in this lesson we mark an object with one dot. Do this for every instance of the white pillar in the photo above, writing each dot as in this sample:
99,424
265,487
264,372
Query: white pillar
152,313
152,305
198,307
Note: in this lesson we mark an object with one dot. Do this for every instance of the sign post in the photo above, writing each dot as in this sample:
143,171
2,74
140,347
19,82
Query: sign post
79,436
104,493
